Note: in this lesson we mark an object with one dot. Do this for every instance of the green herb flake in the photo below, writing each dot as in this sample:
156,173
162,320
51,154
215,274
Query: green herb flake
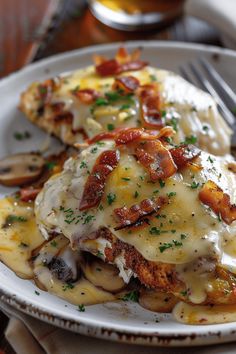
53,243
50,165
162,183
174,123
111,197
210,159
136,194
94,150
83,164
125,106
11,219
132,296
126,179
183,236
153,77
99,254
110,127
22,135
192,139
81,308
171,194
68,286
36,292
165,246
194,185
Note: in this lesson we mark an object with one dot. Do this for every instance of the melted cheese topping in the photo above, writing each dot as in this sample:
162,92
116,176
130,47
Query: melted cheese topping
190,314
18,239
190,110
184,232
81,291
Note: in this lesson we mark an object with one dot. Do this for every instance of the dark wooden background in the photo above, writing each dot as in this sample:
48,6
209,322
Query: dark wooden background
34,29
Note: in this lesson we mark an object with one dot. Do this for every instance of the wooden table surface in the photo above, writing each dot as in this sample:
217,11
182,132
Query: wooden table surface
31,32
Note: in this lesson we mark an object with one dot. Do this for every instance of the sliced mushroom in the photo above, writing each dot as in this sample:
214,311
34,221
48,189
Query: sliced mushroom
20,169
102,274
156,301
59,280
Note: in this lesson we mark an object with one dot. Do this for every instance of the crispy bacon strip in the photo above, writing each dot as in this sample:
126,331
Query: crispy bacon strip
86,96
184,154
113,67
150,106
29,194
128,84
95,184
128,135
213,196
130,216
154,156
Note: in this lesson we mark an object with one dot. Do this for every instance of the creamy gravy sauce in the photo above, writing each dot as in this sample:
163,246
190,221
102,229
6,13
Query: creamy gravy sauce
185,231
190,110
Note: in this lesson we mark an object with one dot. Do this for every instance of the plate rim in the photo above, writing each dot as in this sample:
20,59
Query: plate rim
82,325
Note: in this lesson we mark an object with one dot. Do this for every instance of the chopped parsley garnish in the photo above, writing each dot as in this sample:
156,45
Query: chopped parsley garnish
167,245
83,164
88,218
36,292
132,296
126,178
136,194
53,243
162,183
155,191
153,77
99,254
50,165
100,143
111,197
94,150
101,101
210,159
205,128
67,286
110,127
184,293
155,231
22,135
194,185
125,106
163,113
174,123
81,308
75,89
183,236
171,194
192,139
11,219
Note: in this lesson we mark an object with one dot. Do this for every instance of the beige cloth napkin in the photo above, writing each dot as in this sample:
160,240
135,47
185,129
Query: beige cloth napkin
219,13
28,335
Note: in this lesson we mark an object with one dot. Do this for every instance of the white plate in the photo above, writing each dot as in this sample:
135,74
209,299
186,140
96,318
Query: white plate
116,321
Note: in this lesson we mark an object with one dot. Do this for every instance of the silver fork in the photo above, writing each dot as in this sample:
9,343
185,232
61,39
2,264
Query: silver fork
211,81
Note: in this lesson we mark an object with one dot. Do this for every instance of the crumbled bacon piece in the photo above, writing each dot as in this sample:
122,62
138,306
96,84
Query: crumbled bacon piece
150,106
132,66
59,114
128,84
86,96
95,184
113,67
213,196
29,194
128,135
108,67
184,154
130,216
154,156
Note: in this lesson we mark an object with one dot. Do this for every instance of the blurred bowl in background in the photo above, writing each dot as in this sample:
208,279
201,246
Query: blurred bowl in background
134,15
